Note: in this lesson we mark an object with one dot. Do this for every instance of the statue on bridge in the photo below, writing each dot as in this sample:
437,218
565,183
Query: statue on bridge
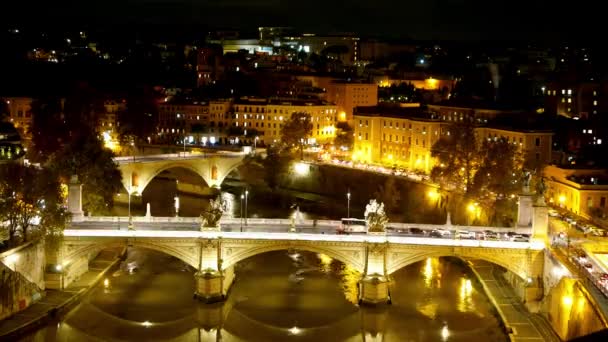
210,218
376,217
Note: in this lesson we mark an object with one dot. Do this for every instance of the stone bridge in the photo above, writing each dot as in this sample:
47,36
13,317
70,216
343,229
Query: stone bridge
137,172
214,254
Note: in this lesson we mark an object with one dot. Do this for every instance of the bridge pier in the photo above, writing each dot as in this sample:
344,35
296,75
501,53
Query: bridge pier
374,290
213,286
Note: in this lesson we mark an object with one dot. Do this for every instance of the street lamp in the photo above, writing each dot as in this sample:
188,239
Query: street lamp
255,144
348,204
130,224
242,197
176,199
246,196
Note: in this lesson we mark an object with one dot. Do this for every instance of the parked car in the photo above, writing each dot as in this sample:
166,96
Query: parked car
490,235
464,234
416,231
440,233
520,238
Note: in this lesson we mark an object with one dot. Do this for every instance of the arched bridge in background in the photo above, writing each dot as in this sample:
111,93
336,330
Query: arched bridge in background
138,171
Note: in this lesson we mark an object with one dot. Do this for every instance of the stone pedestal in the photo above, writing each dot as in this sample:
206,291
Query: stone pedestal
540,223
524,210
373,290
148,212
75,199
208,286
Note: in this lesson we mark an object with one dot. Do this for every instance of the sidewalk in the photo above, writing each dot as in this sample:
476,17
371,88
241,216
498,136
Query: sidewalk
57,302
525,326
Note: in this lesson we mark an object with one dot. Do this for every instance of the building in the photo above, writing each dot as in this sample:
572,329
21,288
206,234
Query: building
179,118
534,144
108,120
10,143
573,100
404,137
20,114
480,114
209,67
582,191
265,117
395,136
348,94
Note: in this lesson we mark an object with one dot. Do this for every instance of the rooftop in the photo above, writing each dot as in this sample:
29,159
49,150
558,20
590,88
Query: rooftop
398,112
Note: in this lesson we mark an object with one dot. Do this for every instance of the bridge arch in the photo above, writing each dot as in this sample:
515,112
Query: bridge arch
517,262
148,176
186,253
353,256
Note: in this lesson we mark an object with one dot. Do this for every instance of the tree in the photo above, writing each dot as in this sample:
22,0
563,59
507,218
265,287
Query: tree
498,178
29,197
49,130
95,167
296,130
344,136
389,194
139,120
276,165
457,158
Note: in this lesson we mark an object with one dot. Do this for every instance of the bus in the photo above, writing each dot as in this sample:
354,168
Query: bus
352,225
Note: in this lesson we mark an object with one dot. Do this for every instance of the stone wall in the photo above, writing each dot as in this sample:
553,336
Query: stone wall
21,277
570,311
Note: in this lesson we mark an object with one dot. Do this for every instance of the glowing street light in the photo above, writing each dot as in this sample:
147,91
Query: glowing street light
242,198
445,333
176,199
348,204
246,196
301,169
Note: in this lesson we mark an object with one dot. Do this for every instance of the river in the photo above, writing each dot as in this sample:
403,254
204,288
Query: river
278,296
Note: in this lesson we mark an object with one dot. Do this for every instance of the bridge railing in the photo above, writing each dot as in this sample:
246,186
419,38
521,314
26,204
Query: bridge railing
287,222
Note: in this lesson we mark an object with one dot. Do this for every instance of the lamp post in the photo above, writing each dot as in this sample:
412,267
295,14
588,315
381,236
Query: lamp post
348,204
246,195
242,197
130,224
176,199
255,144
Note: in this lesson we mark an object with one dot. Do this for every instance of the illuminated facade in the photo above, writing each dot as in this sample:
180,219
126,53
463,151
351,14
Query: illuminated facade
404,137
179,117
395,138
573,99
582,191
20,114
458,113
535,145
266,117
348,95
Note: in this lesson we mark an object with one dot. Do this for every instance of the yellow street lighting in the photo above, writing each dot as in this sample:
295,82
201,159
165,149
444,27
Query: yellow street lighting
433,194
562,199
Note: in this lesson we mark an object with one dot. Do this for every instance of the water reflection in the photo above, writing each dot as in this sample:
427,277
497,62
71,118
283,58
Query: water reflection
282,295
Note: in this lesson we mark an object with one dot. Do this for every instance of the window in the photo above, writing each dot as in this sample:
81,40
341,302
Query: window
537,141
602,202
595,102
569,91
366,137
569,100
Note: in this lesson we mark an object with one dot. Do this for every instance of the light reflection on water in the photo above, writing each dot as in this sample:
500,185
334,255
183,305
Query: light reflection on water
282,295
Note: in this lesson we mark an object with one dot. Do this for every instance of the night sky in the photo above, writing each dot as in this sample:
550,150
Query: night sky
421,19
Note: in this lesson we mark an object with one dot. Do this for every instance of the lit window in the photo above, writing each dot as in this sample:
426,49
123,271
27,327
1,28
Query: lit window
599,141
563,91
595,102
569,100
590,131
594,93
569,91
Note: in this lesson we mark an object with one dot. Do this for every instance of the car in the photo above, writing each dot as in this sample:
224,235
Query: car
490,235
465,234
520,238
440,233
416,231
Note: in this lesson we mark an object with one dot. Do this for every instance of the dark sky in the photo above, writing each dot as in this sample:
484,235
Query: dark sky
423,19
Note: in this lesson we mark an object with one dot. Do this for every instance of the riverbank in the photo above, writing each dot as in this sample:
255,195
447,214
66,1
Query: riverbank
56,303
521,325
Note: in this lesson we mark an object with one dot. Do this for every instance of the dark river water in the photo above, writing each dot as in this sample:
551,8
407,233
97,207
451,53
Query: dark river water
278,296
